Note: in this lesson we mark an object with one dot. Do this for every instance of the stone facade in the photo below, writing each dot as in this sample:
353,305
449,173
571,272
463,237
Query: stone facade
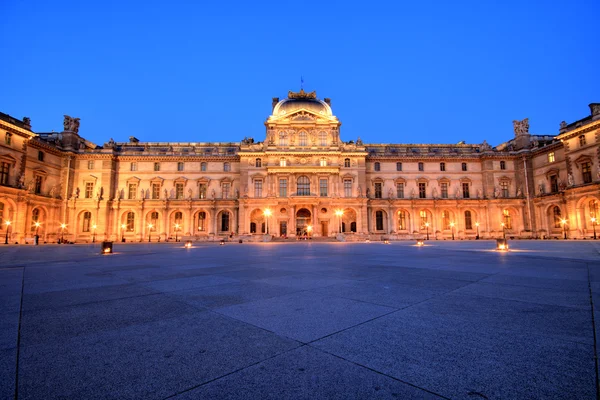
311,181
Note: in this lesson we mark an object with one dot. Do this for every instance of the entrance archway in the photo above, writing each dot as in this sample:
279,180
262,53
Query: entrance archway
303,222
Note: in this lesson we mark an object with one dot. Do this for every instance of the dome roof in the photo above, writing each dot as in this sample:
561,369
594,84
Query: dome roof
301,101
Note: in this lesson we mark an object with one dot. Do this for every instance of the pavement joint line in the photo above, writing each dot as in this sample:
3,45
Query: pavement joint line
19,337
595,337
519,301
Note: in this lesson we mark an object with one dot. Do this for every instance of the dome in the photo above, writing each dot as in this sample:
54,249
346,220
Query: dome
301,101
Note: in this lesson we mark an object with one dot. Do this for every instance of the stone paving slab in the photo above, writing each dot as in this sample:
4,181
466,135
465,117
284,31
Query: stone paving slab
8,364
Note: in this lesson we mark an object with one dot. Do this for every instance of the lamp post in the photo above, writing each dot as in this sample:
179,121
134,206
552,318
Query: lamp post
267,215
427,229
176,229
149,232
7,223
62,232
594,226
123,226
452,228
340,213
477,226
36,240
564,224
503,231
94,233
309,230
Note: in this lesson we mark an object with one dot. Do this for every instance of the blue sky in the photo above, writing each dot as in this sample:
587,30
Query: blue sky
397,72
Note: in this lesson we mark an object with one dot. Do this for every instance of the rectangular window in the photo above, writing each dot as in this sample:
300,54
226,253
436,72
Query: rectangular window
553,183
226,167
582,140
379,220
202,190
282,162
133,166
226,187
464,166
91,164
465,188
38,184
89,190
203,166
423,215
551,157
130,221
442,166
157,166
422,193
201,221
225,219
504,188
502,165
400,190
156,191
180,166
258,188
421,167
378,190
323,162
444,188
401,220
348,188
4,172
586,172
283,188
40,155
323,187
7,138
132,191
398,166
179,190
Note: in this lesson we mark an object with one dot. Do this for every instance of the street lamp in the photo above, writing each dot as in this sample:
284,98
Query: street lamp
123,226
503,231
267,215
149,231
176,229
7,223
37,238
427,229
339,213
477,226
94,233
564,224
309,230
594,226
452,228
62,232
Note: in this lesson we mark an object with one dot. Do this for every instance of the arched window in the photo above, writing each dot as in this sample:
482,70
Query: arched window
224,221
445,220
401,220
398,166
226,167
154,220
258,163
424,220
323,138
252,227
468,220
87,219
303,186
507,219
203,166
302,139
593,209
323,162
282,139
347,163
377,167
35,215
201,221
2,216
556,215
130,221
379,220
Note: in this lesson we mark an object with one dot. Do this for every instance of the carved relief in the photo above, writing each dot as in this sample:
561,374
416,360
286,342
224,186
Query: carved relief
71,124
521,127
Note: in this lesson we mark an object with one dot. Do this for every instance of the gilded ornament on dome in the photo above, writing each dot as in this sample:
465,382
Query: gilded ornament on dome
302,95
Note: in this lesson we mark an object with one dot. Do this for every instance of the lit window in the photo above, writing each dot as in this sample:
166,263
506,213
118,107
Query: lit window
202,188
156,191
133,166
422,193
226,187
445,220
401,220
282,162
323,162
423,215
179,191
35,217
201,221
132,191
154,221
551,157
557,217
87,219
130,221
507,219
504,188
258,188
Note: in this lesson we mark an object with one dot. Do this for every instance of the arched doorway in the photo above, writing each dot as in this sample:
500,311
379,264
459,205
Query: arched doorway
349,220
303,224
257,221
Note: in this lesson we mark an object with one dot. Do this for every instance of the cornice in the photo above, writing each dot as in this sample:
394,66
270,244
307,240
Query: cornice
578,131
15,129
233,158
303,169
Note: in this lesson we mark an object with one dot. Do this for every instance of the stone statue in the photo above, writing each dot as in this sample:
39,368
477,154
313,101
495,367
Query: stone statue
563,124
189,193
213,193
30,185
359,191
53,191
570,179
434,192
77,193
27,121
121,194
71,124
21,181
412,193
390,194
496,192
172,193
166,192
237,193
519,192
521,127
142,194
359,142
368,192
147,193
478,193
541,187
457,193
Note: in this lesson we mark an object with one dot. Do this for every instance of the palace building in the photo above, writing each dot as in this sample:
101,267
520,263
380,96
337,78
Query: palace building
301,180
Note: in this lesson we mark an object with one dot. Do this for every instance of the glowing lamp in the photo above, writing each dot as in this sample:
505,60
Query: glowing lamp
222,242
420,242
501,245
107,247
188,244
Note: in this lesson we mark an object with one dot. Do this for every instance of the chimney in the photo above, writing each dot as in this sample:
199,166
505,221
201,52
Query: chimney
595,111
275,101
328,101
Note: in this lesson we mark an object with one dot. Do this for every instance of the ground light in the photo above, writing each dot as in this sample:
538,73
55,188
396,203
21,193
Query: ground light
420,242
386,241
107,247
501,244
188,244
222,242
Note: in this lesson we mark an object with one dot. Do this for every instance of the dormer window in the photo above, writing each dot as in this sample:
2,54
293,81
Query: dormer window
347,163
323,162
551,157
282,162
258,163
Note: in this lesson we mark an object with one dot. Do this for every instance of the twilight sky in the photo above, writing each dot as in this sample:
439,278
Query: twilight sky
396,72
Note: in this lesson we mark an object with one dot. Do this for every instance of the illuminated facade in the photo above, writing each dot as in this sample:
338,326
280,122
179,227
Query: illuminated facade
310,181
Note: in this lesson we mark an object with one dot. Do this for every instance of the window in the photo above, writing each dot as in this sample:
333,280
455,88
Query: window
283,187
400,190
1,215
90,164
323,162
464,166
347,163
303,139
154,221
87,219
586,172
444,189
445,220
323,187
551,157
442,166
465,190
180,166
553,183
422,193
507,219
133,166
593,209
178,217
7,139
89,190
202,190
421,167
258,188
322,138
378,190
38,184
401,220
282,139
130,221
203,166
224,221
582,140
303,186
157,166
258,163
504,188
502,165
201,221
226,167
379,220
347,188
398,166
556,215
377,166
423,216
40,155
468,220
282,162
132,191
179,191
156,191
35,217
225,188
4,172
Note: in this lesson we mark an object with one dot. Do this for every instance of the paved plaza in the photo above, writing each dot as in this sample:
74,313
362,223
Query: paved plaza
300,320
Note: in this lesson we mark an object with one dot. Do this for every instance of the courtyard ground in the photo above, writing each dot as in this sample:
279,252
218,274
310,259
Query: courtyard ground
300,320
